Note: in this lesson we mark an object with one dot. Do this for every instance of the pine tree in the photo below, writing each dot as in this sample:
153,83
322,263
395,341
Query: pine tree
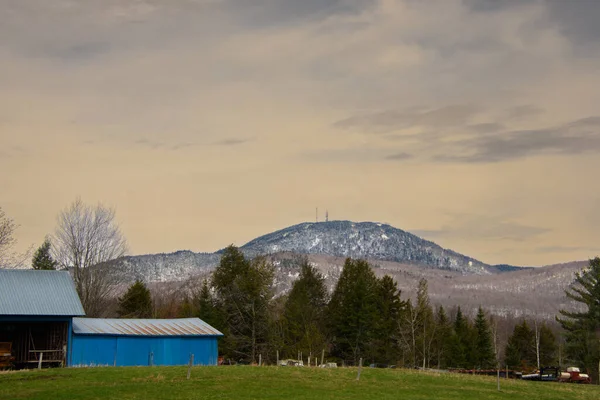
205,309
136,302
460,342
484,349
385,338
548,346
244,292
520,348
352,311
186,308
304,310
583,328
443,338
42,259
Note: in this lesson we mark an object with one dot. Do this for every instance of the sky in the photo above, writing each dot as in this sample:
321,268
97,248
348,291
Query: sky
472,123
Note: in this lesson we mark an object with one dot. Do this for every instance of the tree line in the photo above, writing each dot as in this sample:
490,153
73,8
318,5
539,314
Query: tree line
364,317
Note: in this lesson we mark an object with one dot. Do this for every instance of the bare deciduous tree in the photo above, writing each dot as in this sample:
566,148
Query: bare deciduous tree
86,238
7,228
9,258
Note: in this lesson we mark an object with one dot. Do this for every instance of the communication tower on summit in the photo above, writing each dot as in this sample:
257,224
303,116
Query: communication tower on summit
326,216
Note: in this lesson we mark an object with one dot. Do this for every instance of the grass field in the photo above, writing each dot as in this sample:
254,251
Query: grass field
245,382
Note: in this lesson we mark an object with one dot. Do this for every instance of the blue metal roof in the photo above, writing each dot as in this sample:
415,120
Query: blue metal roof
32,292
143,327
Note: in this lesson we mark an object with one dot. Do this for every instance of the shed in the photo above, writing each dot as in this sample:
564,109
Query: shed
129,342
36,312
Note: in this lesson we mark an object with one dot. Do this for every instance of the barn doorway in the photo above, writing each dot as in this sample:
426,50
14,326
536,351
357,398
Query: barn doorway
34,344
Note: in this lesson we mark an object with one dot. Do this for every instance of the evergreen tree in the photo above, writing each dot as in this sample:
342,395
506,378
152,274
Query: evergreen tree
186,308
548,346
244,293
42,259
583,328
385,338
459,355
205,309
136,302
352,311
484,349
304,310
520,348
443,338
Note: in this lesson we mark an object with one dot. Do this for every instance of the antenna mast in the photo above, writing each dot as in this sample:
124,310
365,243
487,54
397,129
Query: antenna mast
326,216
317,214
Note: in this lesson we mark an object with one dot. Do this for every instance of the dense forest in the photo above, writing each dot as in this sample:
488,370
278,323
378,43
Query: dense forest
365,317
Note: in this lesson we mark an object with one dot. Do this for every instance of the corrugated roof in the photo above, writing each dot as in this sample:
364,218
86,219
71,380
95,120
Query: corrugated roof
32,292
143,327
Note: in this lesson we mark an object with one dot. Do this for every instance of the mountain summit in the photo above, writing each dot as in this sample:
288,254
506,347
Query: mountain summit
367,240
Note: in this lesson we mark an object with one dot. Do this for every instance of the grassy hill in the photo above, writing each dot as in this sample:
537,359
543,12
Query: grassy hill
245,382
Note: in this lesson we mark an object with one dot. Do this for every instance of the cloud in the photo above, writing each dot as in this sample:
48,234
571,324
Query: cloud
75,52
578,20
561,249
577,137
399,157
13,151
150,143
156,145
488,127
523,111
492,5
482,227
184,145
391,120
494,81
263,14
231,142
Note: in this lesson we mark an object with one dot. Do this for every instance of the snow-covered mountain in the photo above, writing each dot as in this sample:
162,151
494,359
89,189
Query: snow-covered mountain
366,240
172,267
454,279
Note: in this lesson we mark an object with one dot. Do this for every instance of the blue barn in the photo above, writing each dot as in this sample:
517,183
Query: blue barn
36,312
129,342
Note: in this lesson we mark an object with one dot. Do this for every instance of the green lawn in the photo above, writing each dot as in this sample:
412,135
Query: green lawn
245,382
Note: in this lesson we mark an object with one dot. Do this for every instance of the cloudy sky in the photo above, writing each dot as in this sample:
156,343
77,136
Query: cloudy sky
473,123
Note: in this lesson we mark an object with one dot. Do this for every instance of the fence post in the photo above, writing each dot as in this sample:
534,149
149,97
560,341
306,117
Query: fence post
278,358
322,356
190,366
259,360
151,356
359,367
40,362
498,377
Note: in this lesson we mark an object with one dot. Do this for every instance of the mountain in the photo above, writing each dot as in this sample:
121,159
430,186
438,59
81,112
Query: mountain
177,266
454,279
366,240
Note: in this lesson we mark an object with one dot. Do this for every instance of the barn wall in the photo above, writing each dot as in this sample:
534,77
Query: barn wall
136,350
